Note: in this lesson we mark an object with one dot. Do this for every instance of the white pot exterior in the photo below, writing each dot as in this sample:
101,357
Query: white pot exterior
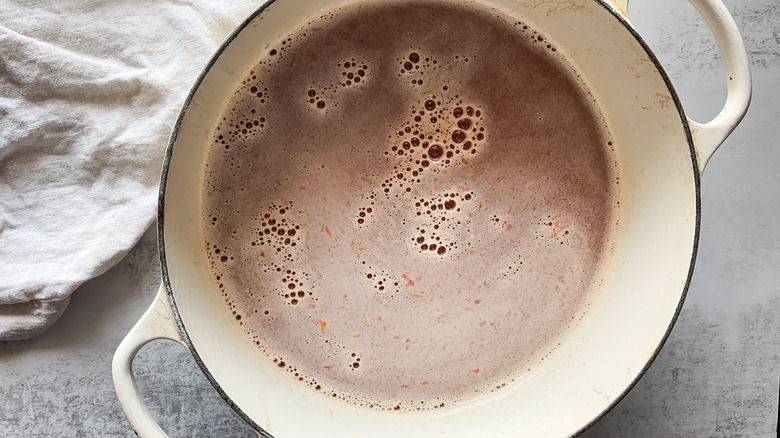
646,274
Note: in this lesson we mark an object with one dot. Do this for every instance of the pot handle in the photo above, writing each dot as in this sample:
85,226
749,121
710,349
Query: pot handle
708,136
156,323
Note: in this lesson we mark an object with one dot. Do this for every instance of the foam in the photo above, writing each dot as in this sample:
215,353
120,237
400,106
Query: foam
408,213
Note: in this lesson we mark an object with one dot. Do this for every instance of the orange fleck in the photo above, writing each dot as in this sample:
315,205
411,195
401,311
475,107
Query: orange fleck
362,249
480,207
384,327
475,370
563,303
352,244
477,301
292,62
327,231
262,253
561,279
510,210
404,386
437,285
327,367
409,281
420,295
424,383
362,131
469,308
356,336
471,344
464,390
322,326
464,160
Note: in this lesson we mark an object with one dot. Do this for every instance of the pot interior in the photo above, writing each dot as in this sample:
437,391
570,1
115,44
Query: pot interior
645,274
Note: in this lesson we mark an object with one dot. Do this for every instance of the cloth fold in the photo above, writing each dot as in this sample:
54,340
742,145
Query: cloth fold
89,91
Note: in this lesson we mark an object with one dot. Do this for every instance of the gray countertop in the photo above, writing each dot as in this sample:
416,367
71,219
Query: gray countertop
716,376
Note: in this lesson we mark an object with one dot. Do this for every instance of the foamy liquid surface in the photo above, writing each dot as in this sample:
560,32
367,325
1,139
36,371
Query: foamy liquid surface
405,212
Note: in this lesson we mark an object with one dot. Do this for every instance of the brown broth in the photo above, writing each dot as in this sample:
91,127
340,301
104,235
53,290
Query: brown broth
408,213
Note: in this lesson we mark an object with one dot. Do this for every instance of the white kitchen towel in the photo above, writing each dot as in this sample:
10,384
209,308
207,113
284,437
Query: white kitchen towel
89,92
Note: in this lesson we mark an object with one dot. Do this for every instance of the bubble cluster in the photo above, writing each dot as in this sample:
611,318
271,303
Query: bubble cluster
324,94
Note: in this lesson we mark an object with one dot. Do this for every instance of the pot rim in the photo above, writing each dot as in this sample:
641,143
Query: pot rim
164,179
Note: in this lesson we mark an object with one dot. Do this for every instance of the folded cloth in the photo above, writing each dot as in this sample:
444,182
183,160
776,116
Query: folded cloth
89,91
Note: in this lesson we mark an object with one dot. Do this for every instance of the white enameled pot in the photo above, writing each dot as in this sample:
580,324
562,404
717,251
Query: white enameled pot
660,154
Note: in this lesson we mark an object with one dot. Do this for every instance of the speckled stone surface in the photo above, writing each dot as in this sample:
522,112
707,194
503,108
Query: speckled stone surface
717,375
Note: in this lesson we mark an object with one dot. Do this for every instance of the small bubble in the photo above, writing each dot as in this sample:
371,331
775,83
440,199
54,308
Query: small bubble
435,152
430,105
458,136
321,104
414,57
464,124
